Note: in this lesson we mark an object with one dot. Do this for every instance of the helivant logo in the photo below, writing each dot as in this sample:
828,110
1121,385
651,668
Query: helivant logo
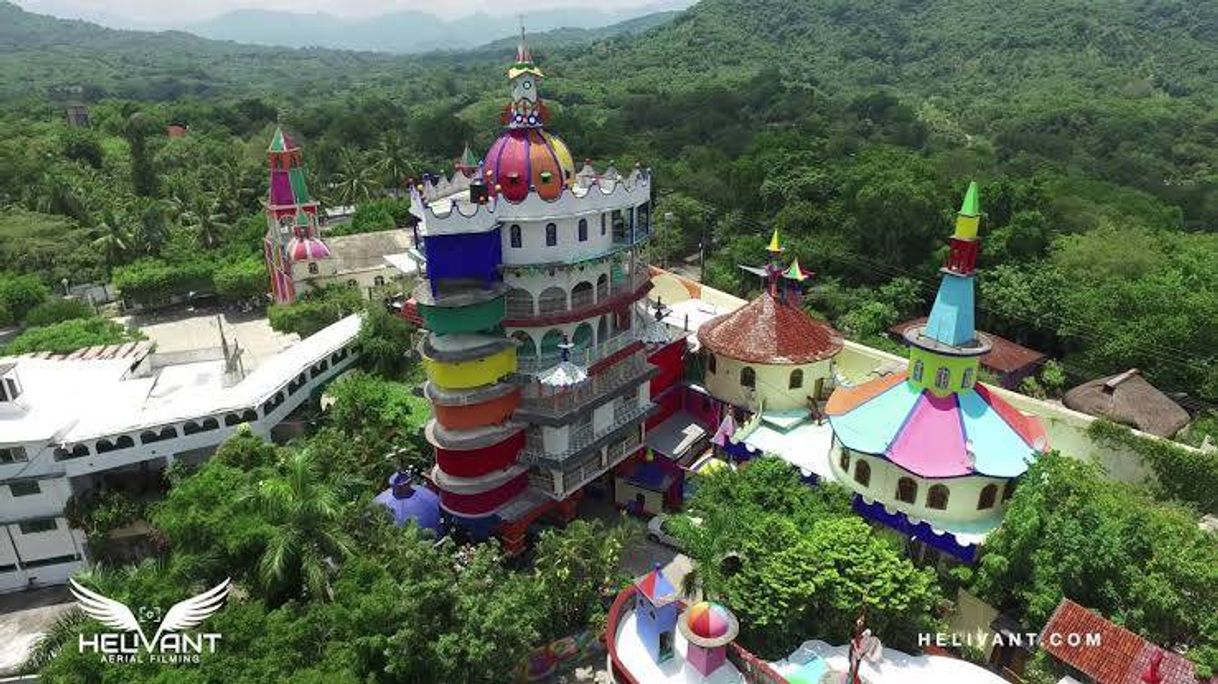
169,643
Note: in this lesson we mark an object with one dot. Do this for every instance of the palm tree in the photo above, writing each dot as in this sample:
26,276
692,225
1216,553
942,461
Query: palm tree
307,541
398,161
206,218
355,180
113,241
151,225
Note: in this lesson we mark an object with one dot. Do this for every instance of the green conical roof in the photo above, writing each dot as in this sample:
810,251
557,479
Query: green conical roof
302,219
795,272
972,204
278,144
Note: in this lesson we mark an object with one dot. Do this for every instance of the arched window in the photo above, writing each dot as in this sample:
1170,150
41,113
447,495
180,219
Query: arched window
552,300
582,339
124,442
967,381
712,364
211,424
1008,491
843,460
103,445
943,378
907,490
582,295
312,268
550,342
918,368
602,287
937,497
583,230
526,347
519,303
988,495
148,437
748,377
551,235
604,224
797,379
378,281
514,236
862,473
232,419
602,329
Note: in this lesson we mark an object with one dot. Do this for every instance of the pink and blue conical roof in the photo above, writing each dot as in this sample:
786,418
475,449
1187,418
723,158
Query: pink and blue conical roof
969,430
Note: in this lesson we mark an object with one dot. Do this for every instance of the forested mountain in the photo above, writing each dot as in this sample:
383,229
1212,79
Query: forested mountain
851,125
407,31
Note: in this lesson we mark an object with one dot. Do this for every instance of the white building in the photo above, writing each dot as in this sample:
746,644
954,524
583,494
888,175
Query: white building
68,423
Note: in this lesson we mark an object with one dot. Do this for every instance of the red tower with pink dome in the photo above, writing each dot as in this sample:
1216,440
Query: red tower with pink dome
293,248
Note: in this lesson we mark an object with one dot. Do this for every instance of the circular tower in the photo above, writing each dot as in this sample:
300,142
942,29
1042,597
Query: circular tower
536,370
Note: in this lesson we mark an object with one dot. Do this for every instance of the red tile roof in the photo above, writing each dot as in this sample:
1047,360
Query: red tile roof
1004,356
1121,657
768,331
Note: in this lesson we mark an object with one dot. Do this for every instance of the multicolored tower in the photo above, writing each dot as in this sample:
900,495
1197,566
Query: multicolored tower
535,366
931,451
294,250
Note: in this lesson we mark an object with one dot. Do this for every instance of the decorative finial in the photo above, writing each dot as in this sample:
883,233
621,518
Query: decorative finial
775,246
565,346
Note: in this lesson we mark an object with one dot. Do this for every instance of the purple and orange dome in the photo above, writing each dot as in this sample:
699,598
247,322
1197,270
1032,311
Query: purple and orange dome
307,249
709,624
525,159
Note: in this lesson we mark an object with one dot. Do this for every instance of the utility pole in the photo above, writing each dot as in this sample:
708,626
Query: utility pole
710,217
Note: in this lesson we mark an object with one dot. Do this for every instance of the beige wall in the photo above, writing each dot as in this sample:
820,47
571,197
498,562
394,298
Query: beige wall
772,383
972,615
964,492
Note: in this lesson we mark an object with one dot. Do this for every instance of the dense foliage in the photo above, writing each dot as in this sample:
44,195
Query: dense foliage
794,563
1070,532
852,127
326,589
68,336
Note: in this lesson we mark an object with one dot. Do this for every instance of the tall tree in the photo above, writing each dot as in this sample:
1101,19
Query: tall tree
307,542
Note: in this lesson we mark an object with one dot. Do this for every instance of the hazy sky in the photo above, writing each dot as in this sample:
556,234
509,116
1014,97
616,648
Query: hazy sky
160,12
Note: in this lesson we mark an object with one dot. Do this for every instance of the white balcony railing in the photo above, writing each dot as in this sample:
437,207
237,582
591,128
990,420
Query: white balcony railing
579,301
580,357
547,400
579,438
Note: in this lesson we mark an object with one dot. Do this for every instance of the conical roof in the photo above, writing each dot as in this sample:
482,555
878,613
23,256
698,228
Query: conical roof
971,206
769,331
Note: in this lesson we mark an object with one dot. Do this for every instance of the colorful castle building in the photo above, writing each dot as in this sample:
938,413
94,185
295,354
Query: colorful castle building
769,354
769,367
931,451
536,367
293,248
299,259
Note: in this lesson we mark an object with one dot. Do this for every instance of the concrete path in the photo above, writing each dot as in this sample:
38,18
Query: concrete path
24,617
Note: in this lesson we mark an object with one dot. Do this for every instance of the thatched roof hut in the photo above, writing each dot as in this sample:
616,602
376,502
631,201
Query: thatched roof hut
1129,399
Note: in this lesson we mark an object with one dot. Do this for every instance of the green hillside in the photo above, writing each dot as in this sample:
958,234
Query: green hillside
851,126
41,55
